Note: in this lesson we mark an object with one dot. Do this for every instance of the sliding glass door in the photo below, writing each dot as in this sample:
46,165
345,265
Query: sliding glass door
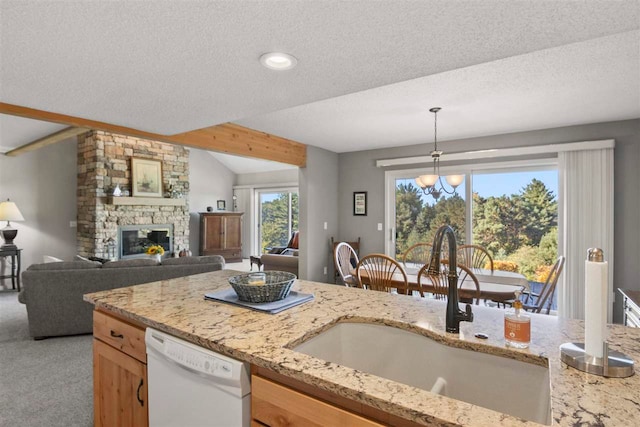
277,217
511,211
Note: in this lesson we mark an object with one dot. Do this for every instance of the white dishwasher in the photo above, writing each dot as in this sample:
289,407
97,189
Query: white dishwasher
191,386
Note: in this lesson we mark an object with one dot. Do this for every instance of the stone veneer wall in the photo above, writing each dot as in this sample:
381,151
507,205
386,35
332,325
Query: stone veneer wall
104,160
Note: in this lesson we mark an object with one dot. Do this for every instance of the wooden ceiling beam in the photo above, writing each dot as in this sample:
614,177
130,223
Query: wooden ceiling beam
47,140
226,138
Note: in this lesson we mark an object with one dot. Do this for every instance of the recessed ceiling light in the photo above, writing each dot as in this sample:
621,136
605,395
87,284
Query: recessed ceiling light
278,61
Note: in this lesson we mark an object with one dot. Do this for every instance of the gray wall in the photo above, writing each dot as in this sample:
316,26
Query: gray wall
267,178
209,181
358,172
42,183
318,204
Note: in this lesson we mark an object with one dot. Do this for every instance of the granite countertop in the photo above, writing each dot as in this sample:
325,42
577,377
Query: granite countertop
177,307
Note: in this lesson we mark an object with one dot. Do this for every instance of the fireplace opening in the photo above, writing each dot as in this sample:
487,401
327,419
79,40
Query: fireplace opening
135,239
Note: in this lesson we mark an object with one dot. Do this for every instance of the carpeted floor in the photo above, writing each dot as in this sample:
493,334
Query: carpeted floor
42,383
47,382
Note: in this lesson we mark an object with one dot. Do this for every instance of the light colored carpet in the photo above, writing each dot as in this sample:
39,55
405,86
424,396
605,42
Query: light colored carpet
42,383
244,265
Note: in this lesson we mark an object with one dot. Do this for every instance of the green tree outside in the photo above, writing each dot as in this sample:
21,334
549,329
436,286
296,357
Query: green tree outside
276,218
520,229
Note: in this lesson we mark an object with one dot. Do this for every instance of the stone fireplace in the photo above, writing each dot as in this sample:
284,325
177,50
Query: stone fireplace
104,162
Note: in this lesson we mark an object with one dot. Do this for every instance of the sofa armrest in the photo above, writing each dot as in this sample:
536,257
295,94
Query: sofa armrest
275,262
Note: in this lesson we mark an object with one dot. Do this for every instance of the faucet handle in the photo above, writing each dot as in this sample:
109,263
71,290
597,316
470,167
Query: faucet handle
468,314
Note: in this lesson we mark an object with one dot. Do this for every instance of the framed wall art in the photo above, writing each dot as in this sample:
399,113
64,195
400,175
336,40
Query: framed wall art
360,203
222,205
146,177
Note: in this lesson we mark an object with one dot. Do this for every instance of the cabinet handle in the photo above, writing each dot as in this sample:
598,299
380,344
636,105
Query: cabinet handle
138,392
114,335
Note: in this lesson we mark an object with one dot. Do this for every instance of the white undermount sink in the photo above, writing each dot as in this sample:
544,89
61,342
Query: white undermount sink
494,382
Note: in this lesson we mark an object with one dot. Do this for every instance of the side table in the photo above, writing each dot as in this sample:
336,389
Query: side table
255,260
14,253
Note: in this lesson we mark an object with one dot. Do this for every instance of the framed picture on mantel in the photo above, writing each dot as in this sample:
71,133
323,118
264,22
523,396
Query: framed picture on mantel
146,177
360,203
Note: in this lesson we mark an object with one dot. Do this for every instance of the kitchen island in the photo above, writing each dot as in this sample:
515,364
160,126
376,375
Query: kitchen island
178,307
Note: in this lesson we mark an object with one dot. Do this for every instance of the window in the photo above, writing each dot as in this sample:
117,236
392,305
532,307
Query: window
278,217
418,216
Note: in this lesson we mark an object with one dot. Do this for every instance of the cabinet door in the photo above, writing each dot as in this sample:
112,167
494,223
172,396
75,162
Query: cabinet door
275,405
212,233
119,388
233,232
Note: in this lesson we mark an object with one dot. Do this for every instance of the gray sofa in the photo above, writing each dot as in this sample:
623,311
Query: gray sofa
53,292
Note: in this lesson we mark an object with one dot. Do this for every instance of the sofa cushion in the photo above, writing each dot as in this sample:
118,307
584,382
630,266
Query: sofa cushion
186,260
65,265
136,262
48,258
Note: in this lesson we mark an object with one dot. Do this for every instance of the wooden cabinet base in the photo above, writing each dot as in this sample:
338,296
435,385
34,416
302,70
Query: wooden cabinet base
119,373
119,388
275,405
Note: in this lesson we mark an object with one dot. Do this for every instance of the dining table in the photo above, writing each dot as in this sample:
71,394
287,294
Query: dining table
497,286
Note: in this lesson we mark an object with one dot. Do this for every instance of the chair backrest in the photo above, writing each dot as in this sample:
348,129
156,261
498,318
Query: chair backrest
474,256
355,245
440,282
417,255
346,260
380,272
437,283
549,288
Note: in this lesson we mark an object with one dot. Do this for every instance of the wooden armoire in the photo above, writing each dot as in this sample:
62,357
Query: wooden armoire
221,234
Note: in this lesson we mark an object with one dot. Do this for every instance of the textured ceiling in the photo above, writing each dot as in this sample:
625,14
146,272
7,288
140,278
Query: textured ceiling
587,82
367,74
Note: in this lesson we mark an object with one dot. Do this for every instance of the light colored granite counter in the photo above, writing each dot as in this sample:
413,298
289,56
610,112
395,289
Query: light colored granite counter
178,307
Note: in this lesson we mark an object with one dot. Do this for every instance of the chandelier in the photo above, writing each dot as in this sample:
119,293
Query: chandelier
428,182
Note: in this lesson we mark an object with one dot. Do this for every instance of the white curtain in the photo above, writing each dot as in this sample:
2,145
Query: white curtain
586,210
244,203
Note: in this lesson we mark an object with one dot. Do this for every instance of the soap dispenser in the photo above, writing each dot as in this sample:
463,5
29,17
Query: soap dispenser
517,326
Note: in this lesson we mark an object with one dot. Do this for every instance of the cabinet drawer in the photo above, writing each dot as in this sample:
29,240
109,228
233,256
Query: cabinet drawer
275,405
118,334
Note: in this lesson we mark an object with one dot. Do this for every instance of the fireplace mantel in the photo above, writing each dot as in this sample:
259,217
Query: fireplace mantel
145,201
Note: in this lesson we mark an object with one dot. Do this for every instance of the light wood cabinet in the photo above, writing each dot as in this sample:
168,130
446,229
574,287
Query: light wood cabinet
221,234
275,405
119,373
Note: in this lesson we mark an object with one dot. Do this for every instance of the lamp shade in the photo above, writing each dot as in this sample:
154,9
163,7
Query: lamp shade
10,212
455,180
426,180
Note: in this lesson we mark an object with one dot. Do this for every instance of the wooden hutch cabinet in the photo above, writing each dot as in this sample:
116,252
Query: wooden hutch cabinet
221,234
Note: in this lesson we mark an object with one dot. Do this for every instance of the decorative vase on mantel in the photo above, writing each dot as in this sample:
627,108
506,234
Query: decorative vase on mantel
157,258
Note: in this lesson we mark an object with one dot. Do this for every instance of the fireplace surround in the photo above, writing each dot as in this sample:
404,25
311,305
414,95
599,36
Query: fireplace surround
133,240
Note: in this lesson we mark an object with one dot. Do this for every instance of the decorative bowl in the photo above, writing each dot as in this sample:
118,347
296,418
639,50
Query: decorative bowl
265,286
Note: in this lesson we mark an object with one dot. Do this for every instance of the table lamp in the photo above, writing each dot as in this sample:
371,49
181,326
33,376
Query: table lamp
9,212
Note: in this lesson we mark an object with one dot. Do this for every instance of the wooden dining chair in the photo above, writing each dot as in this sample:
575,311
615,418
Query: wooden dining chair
380,272
417,255
475,257
345,259
439,283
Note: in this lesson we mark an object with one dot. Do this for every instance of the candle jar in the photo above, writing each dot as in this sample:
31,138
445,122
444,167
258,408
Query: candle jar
257,279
